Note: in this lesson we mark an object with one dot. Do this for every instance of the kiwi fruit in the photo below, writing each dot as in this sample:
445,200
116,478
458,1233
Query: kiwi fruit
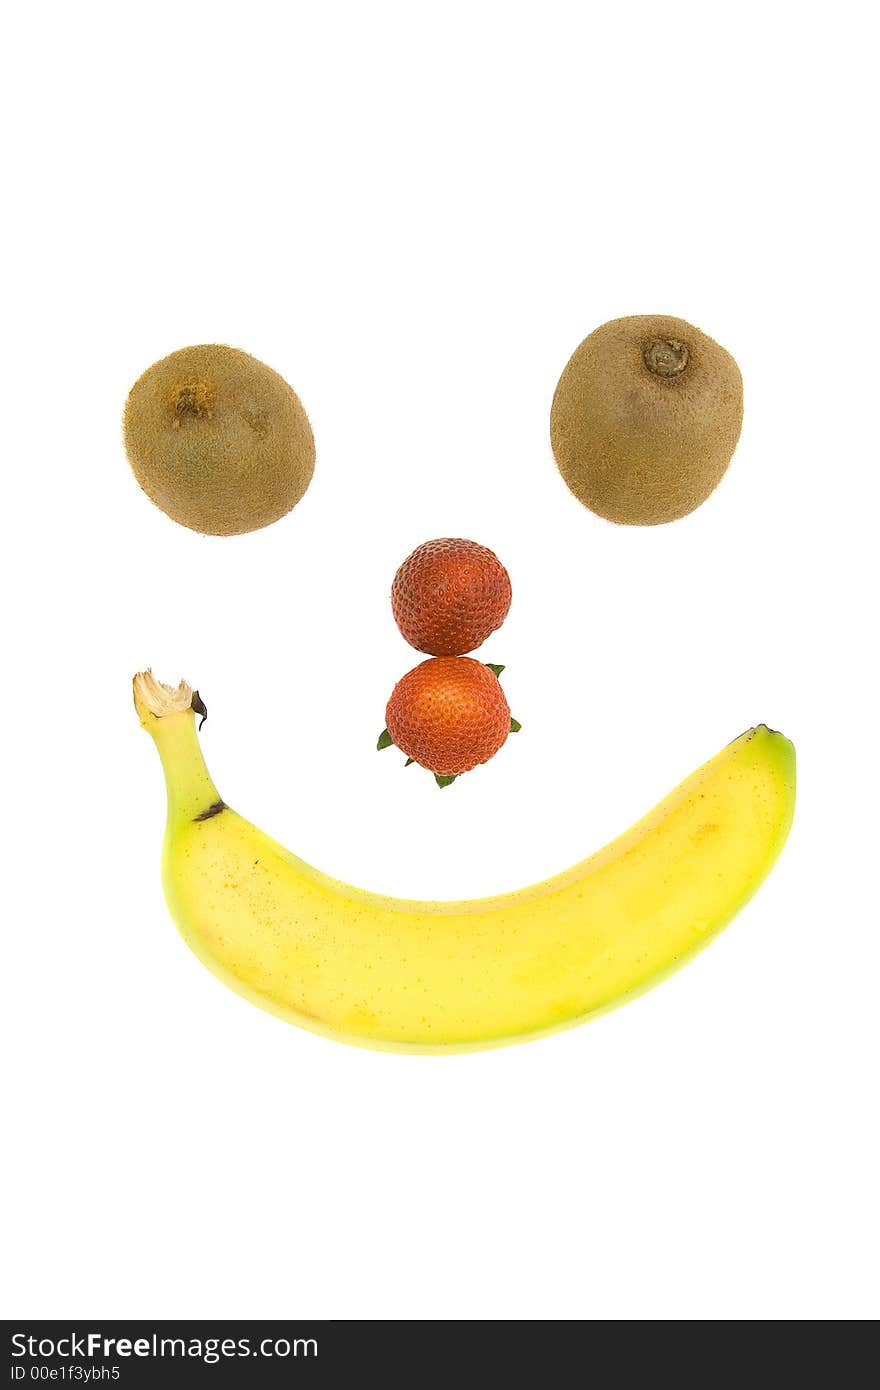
218,440
645,419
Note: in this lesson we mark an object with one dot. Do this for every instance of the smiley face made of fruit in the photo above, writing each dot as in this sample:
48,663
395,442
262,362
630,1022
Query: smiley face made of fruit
644,420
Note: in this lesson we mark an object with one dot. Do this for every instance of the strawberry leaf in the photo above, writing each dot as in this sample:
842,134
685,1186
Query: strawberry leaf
409,761
515,725
385,740
444,781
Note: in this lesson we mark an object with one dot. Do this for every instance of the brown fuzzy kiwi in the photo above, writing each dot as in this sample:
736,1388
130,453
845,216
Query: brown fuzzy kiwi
645,419
218,440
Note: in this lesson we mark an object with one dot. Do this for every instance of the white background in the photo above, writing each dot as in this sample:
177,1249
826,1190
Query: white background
415,213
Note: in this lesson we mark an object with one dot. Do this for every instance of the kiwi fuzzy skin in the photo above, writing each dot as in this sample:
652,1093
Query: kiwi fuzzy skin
645,419
218,440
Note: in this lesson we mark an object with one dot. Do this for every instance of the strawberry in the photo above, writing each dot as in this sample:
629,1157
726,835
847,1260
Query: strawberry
448,595
448,714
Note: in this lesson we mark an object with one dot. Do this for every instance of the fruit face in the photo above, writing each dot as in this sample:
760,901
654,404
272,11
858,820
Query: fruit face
645,419
449,714
449,595
218,440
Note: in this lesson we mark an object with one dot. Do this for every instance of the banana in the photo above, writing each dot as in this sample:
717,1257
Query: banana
457,976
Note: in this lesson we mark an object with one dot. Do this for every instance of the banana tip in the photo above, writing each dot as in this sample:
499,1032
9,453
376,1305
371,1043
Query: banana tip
153,699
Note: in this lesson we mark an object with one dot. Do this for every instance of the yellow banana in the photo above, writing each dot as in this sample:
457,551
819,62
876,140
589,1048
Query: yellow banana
456,976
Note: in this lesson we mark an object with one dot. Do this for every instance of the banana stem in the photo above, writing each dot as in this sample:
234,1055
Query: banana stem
168,718
191,791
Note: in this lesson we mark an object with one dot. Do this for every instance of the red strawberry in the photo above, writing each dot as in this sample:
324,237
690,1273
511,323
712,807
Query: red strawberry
448,714
448,595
